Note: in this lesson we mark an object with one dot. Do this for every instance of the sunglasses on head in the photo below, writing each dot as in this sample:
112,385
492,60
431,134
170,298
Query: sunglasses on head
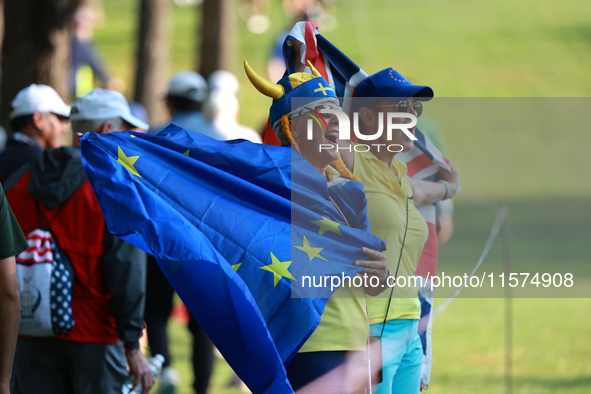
403,106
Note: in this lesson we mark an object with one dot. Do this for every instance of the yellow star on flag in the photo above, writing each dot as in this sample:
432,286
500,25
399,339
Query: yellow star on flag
187,152
279,269
236,266
132,136
327,225
127,162
310,250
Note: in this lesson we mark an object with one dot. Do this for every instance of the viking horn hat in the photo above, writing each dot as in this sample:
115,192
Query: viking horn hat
303,88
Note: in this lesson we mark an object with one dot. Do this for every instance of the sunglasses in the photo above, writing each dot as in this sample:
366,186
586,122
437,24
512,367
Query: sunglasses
316,109
403,106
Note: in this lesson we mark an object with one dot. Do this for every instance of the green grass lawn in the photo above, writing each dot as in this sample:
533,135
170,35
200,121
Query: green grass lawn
550,348
531,153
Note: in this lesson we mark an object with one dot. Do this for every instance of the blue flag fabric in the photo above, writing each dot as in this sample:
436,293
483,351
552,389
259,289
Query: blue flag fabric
217,215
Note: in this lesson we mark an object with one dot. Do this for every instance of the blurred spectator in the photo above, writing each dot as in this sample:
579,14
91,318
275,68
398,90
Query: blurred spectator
221,108
109,287
223,81
39,121
12,242
432,199
445,208
86,63
187,91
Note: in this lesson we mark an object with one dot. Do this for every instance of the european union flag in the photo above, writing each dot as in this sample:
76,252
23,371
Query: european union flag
218,217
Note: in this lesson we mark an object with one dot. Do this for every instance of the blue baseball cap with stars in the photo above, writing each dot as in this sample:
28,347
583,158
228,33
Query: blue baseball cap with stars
388,85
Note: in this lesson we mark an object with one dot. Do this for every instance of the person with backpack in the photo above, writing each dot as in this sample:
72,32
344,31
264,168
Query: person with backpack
52,196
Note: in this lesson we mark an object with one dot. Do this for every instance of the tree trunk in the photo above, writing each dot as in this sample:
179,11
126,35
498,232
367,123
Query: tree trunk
152,57
217,32
53,68
36,48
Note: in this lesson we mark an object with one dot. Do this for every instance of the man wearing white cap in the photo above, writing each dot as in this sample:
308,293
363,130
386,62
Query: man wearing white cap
102,348
103,111
38,119
186,94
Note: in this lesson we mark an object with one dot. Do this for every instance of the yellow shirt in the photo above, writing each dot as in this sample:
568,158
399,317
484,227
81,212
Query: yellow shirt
343,325
386,209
